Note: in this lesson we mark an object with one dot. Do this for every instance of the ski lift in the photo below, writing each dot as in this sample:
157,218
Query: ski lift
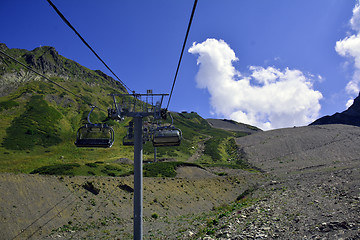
94,135
167,136
129,139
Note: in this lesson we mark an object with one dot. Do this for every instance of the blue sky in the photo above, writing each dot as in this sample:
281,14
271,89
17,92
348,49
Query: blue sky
269,63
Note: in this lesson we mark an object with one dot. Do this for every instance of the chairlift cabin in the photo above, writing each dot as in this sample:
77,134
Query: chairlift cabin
128,140
166,136
95,135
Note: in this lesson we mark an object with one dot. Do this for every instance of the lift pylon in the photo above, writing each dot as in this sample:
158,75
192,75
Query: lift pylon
137,106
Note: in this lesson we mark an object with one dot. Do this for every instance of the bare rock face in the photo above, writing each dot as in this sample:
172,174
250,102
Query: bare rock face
351,116
3,47
47,61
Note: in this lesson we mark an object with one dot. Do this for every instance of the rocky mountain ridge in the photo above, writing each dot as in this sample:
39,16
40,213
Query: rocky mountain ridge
46,60
351,116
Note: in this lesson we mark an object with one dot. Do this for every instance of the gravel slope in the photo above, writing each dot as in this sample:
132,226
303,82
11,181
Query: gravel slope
314,188
296,149
230,125
309,189
50,207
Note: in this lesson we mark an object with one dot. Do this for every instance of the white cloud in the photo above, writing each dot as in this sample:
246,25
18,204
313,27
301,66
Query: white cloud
350,47
355,20
268,98
349,103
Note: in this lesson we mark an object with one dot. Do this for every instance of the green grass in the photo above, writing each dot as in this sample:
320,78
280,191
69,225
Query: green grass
210,220
58,169
18,160
164,169
40,120
36,126
212,148
5,105
88,169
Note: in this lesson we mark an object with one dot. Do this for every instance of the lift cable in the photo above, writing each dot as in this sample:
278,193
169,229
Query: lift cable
182,51
83,40
48,212
42,75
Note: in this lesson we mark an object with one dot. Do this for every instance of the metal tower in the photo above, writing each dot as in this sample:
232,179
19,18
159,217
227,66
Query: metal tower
137,106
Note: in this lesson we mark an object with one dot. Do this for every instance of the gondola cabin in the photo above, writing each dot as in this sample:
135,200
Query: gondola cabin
164,137
95,135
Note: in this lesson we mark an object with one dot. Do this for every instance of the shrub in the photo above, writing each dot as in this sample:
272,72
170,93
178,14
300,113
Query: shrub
212,148
8,104
114,168
164,169
58,169
92,165
36,126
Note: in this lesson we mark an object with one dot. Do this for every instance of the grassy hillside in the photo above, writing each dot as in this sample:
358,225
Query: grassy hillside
40,120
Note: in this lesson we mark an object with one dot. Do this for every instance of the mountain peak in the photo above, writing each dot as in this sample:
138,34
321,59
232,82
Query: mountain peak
46,60
355,107
351,116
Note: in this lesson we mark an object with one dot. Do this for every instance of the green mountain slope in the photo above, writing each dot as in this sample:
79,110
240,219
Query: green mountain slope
40,120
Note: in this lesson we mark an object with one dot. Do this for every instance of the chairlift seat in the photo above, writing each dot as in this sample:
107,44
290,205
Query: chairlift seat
167,137
128,140
95,135
100,143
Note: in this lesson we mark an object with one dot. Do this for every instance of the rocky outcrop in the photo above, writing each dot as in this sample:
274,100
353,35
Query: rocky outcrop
3,47
351,116
46,60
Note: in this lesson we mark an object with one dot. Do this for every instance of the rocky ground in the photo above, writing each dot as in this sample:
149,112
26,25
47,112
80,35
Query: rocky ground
231,125
50,207
310,205
314,191
308,188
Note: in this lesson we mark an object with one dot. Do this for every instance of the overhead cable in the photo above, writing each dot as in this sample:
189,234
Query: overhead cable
83,40
42,75
182,51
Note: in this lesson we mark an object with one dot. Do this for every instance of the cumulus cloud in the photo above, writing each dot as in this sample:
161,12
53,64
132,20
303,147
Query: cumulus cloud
350,47
265,97
355,20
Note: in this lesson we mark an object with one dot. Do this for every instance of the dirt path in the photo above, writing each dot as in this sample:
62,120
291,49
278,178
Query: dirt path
199,150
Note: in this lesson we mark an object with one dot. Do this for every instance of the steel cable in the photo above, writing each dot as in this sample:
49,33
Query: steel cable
182,51
42,75
83,40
